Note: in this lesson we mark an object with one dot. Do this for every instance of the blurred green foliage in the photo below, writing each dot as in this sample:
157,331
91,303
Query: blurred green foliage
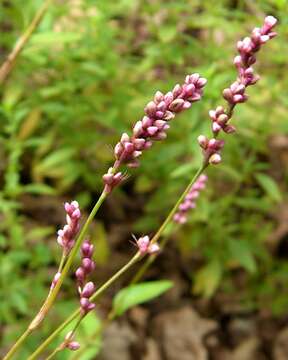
84,78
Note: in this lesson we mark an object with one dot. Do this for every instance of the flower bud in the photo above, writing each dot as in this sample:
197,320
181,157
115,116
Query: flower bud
88,290
73,345
203,141
215,159
153,249
150,108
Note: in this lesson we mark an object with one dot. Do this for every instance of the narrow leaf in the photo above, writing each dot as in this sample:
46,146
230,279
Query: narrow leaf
138,294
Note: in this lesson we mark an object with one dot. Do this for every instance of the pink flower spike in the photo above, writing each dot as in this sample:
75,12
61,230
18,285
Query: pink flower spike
66,235
189,201
153,126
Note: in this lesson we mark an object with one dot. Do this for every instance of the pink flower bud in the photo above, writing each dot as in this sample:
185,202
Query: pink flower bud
150,108
138,129
153,249
143,244
151,130
80,274
203,141
124,138
146,122
128,147
88,264
88,290
201,82
177,90
176,105
118,150
216,127
139,143
270,21
168,116
73,345
160,123
161,135
158,96
215,159
227,94
87,249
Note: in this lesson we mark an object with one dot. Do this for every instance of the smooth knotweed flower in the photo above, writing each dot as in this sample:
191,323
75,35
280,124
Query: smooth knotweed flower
69,343
211,149
235,94
153,126
146,247
189,201
67,234
87,266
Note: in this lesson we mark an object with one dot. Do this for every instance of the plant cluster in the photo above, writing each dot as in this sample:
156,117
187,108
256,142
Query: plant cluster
153,126
81,79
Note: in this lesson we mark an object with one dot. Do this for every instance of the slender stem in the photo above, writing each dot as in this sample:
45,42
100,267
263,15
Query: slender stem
51,356
7,66
76,313
149,261
60,328
63,346
179,201
18,343
90,340
52,295
63,258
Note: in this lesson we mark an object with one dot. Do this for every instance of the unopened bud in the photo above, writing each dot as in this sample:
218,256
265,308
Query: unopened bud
215,159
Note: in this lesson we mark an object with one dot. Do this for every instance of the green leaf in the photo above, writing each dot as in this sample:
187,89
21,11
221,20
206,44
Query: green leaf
208,279
269,186
55,160
241,252
138,294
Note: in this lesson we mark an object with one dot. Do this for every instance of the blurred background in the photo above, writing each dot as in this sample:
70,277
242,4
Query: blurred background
83,78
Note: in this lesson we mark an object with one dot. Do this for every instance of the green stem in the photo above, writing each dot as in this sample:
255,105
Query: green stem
63,258
176,206
149,261
76,313
51,356
52,295
91,340
18,343
62,346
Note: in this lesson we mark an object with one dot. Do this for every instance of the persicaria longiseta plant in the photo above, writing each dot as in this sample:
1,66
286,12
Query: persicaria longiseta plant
159,114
